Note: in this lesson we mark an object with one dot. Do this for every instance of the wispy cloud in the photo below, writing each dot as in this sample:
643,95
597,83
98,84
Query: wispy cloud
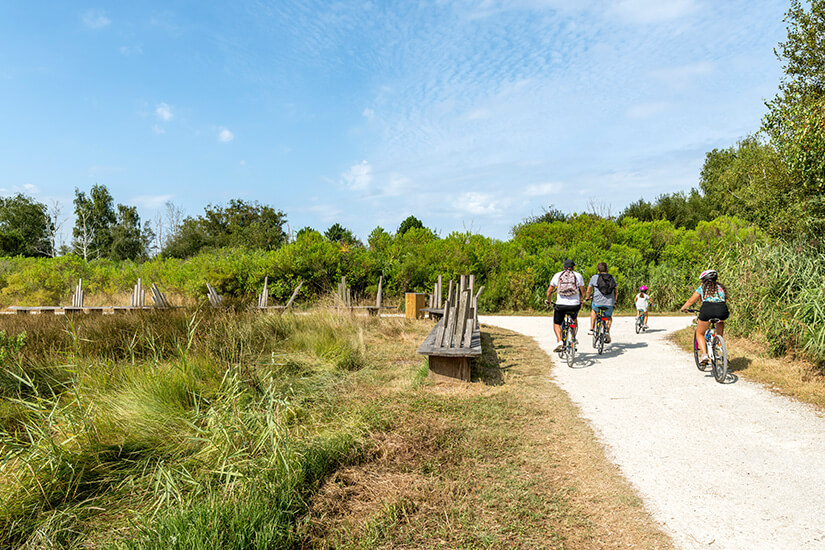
653,11
164,112
648,110
682,76
131,50
358,177
158,130
478,203
95,19
543,189
26,189
225,136
151,201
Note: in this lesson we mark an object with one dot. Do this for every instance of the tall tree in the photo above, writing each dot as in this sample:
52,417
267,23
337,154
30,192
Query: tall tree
796,116
94,219
24,227
410,223
129,241
339,233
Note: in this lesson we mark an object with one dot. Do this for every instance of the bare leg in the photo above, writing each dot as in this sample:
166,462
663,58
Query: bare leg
701,328
592,319
720,328
557,330
645,321
609,323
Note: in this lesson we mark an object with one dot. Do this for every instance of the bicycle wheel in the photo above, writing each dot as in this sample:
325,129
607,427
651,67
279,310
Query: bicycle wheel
699,365
570,348
720,359
638,324
600,338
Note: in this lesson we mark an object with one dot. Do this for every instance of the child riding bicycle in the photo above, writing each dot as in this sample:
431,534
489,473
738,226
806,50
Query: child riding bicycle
643,302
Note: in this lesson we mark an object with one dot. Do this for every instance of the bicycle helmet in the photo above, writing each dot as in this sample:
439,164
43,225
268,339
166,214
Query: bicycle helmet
708,275
642,288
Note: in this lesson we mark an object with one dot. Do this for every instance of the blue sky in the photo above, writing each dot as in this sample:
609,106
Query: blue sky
467,114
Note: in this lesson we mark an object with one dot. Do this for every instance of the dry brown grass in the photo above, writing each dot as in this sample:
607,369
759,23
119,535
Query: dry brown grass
787,375
502,462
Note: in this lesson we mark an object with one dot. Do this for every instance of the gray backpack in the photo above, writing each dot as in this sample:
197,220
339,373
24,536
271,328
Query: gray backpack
567,284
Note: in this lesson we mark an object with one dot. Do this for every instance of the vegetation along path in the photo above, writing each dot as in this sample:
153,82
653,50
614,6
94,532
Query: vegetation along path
719,465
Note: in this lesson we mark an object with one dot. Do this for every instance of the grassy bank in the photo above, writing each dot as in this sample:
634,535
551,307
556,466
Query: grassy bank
192,430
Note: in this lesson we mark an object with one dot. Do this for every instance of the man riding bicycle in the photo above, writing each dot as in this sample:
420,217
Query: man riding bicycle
569,287
603,288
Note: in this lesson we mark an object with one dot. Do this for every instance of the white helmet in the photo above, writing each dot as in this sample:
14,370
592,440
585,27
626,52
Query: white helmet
708,275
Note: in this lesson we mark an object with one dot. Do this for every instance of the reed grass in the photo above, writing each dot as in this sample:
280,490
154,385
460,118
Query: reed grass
174,430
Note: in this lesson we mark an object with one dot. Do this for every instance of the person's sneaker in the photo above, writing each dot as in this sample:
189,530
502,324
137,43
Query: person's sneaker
704,359
590,331
606,337
645,327
561,346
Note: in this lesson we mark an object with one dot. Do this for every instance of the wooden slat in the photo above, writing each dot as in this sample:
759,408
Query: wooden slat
294,294
461,318
449,332
442,326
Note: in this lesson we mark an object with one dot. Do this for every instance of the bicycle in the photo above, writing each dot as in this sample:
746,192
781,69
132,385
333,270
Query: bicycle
568,338
600,330
640,320
717,351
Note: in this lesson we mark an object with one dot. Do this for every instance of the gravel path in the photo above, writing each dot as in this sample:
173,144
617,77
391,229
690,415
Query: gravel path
720,466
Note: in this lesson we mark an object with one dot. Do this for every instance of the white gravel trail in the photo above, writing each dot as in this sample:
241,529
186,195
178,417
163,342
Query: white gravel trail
719,465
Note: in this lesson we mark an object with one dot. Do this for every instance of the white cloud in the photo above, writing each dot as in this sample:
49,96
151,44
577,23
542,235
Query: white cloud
151,201
368,113
225,136
358,178
158,130
652,11
94,19
477,203
26,189
647,110
164,112
543,189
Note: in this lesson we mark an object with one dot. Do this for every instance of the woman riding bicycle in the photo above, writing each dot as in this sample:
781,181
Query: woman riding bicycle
714,306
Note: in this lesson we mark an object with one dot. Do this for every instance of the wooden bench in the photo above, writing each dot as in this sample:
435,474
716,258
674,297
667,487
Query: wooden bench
343,299
263,298
456,339
435,310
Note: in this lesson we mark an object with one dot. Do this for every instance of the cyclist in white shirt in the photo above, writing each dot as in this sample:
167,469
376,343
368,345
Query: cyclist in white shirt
569,288
643,302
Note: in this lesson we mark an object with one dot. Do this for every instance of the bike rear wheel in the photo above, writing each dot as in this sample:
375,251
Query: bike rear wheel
699,365
638,324
600,338
570,348
720,359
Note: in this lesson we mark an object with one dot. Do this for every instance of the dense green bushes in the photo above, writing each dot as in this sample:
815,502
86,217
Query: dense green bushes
515,273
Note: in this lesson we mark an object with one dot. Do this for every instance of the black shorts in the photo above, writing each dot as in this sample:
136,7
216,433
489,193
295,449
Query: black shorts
713,310
561,310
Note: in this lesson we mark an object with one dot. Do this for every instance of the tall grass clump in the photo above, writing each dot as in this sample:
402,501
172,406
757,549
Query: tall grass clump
181,430
778,294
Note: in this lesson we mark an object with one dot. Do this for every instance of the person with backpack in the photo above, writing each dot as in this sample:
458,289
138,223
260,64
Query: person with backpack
603,288
569,288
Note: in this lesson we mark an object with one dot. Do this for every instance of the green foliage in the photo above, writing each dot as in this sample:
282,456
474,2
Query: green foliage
24,227
340,234
239,225
94,218
681,209
410,223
